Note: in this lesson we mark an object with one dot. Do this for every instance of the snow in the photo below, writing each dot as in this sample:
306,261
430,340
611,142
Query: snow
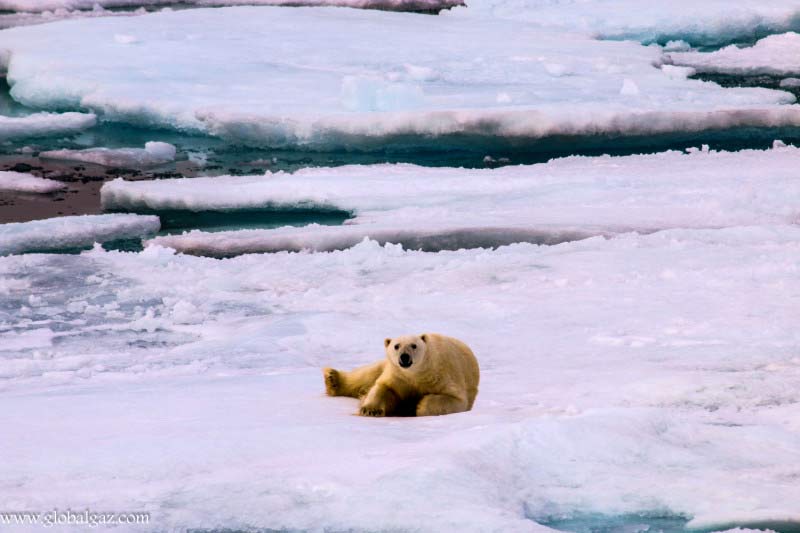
154,153
639,354
640,374
366,80
73,232
19,182
434,208
775,55
706,23
44,124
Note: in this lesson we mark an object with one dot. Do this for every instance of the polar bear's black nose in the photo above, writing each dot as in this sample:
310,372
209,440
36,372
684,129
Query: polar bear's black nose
405,360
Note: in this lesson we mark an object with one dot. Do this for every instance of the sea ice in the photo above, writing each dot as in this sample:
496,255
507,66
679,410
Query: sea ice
19,182
153,154
44,124
366,80
435,208
640,374
73,232
777,55
706,23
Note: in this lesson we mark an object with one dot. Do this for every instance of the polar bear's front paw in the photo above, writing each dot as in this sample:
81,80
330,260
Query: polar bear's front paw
332,381
367,410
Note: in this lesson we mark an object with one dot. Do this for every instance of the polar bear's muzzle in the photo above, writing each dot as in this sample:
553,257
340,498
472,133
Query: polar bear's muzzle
405,361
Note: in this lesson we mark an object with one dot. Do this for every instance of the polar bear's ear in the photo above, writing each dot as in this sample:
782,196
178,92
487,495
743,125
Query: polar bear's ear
386,342
424,337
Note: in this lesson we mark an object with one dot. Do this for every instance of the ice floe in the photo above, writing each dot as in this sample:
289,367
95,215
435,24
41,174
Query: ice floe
366,80
19,182
435,208
640,374
44,124
706,23
777,55
73,232
153,154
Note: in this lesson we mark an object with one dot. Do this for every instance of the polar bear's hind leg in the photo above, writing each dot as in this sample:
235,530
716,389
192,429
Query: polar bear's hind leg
440,404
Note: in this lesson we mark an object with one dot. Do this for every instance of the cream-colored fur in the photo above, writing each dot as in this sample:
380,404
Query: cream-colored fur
442,378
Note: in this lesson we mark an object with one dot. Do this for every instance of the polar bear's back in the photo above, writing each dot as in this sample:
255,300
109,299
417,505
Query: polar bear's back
457,363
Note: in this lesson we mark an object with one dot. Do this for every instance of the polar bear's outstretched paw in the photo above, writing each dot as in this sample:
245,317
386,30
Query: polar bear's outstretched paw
371,411
332,381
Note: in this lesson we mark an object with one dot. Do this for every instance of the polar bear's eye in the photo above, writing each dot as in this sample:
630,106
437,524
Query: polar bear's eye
413,346
396,346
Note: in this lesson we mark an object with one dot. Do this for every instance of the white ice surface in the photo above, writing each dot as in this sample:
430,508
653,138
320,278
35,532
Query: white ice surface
446,207
706,22
19,182
360,79
154,153
777,55
73,231
651,373
44,124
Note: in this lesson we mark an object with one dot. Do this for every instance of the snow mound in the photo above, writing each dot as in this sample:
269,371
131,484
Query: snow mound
153,154
435,208
366,80
777,55
706,23
19,182
608,386
73,232
44,124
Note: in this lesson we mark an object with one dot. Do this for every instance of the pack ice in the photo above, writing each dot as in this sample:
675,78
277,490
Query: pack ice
362,79
19,182
44,124
776,55
154,153
708,23
73,232
435,208
648,375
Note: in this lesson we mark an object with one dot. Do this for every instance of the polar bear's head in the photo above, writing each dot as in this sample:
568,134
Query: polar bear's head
406,352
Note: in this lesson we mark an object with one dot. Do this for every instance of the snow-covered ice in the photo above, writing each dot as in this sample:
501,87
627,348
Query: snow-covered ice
20,182
646,361
703,23
436,208
44,124
777,55
73,232
365,79
154,153
640,374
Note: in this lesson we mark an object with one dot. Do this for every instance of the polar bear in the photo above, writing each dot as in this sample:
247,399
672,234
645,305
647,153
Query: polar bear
422,375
